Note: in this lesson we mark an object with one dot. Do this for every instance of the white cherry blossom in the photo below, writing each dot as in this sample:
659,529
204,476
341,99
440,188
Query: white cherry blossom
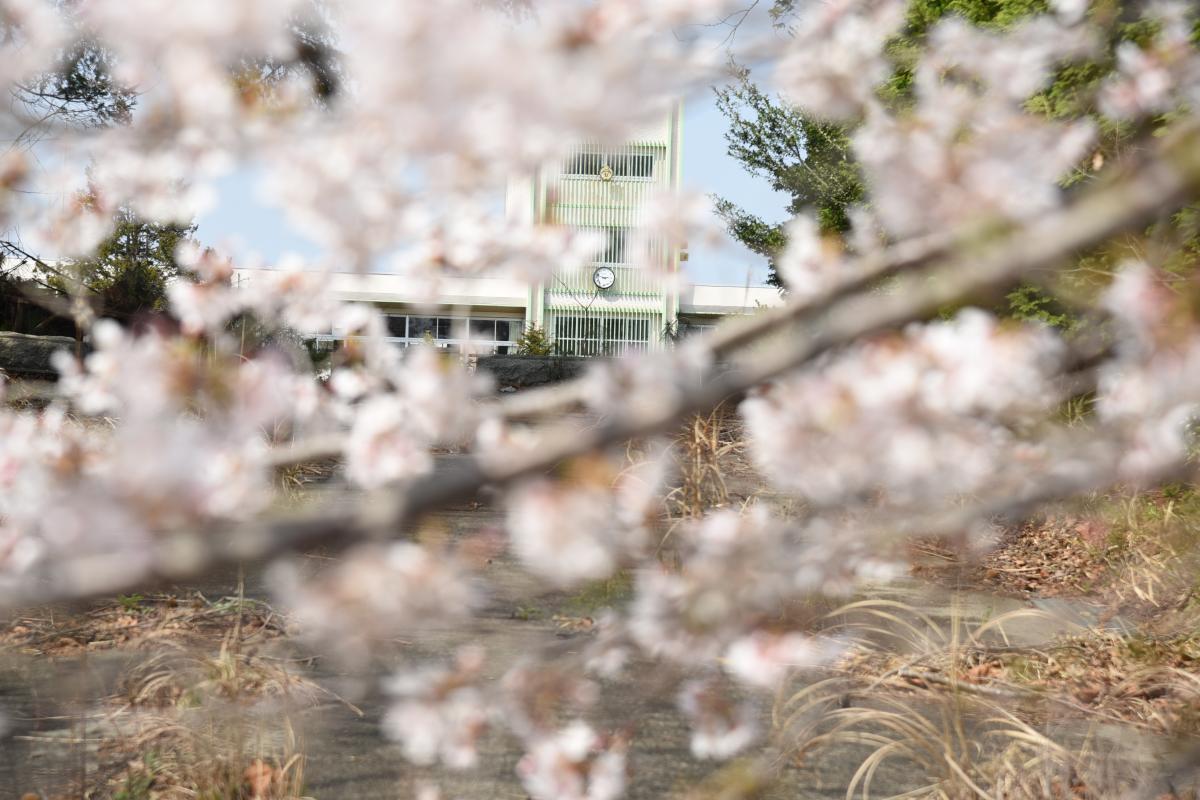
438,715
721,728
574,764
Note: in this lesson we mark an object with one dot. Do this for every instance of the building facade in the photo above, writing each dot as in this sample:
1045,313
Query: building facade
627,299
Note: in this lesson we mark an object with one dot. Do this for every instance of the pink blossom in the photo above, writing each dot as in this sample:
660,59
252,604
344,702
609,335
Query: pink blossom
387,590
811,265
574,764
536,696
721,728
33,31
583,529
764,659
837,59
438,715
864,420
383,445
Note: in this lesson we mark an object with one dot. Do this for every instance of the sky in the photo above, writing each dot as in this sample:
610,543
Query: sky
708,168
240,221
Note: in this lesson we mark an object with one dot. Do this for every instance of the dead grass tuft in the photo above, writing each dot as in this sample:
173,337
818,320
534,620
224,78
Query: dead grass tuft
194,756
207,727
140,622
700,450
1136,553
974,714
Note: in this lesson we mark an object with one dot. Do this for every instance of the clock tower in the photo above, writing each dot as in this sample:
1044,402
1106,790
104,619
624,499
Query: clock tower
625,300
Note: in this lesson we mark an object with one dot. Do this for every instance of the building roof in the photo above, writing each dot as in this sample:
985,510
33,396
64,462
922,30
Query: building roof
719,300
385,289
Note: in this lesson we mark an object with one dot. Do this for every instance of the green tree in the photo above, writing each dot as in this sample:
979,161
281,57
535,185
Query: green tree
797,154
534,341
79,92
812,161
128,273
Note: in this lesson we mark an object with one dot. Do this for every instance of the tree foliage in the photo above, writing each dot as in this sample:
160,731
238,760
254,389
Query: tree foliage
812,160
534,341
797,154
80,92
129,272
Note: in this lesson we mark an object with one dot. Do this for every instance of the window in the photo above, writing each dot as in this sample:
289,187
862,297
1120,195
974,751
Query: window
632,165
422,327
615,248
624,164
600,335
451,333
584,164
483,329
694,328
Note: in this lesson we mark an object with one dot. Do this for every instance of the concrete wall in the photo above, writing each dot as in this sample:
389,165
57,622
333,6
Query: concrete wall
522,372
26,356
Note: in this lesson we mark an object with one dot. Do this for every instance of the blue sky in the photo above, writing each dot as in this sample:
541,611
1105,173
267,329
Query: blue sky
708,168
240,220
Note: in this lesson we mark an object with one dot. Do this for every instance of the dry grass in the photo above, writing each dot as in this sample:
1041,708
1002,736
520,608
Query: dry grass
1153,549
140,622
700,450
960,745
219,726
1135,552
204,757
184,681
293,479
1153,683
202,713
975,715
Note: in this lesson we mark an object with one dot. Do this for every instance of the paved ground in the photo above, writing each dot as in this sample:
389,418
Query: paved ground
347,757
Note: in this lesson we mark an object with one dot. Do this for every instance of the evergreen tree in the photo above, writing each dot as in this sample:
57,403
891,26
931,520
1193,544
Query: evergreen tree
129,272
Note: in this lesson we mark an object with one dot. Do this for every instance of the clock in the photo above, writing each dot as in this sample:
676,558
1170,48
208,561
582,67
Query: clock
604,277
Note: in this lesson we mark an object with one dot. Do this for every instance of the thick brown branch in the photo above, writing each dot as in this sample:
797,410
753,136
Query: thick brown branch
1163,183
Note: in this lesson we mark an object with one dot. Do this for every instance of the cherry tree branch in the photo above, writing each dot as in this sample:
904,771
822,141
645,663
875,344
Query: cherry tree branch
969,269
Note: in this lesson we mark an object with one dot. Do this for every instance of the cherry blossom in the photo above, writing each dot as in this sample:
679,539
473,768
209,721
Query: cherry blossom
30,32
387,590
438,714
811,265
1154,78
764,659
574,763
969,129
584,527
538,697
971,374
383,445
834,72
732,574
1150,392
721,728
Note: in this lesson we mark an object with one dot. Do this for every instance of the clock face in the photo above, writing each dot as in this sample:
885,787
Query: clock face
604,277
